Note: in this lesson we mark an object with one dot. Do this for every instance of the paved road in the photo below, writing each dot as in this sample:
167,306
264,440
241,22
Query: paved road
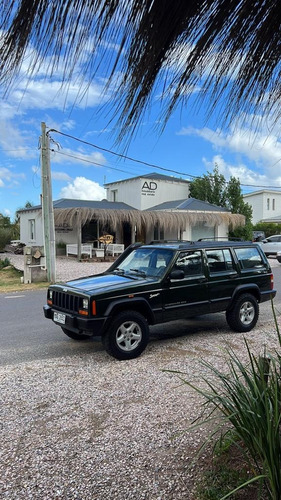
26,335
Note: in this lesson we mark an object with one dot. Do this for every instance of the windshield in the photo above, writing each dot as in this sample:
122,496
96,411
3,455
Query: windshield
146,262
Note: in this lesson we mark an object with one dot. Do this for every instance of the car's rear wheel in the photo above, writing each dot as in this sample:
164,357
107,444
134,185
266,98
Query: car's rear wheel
127,336
244,313
73,335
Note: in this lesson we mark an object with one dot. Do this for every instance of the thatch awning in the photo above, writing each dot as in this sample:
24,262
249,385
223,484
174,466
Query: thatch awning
165,219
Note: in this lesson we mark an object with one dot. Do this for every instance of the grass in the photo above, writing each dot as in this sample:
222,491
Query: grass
10,279
224,471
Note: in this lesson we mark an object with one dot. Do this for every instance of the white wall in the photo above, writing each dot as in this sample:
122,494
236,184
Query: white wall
144,193
25,217
201,231
265,204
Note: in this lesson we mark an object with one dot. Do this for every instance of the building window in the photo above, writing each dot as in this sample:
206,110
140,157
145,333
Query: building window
273,204
31,229
268,203
114,195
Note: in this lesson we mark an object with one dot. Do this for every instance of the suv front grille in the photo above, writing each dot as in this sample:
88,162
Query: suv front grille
67,302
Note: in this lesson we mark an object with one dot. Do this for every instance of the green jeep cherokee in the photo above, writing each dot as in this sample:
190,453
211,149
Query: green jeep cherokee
161,282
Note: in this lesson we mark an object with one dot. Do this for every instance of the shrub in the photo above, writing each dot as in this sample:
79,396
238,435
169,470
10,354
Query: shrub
5,237
4,263
269,228
248,397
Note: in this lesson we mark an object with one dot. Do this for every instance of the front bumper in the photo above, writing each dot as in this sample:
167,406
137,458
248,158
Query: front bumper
78,324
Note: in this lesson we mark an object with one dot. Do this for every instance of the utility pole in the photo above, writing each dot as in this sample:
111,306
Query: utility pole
47,206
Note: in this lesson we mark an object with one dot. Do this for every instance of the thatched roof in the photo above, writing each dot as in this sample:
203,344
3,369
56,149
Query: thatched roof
166,219
229,48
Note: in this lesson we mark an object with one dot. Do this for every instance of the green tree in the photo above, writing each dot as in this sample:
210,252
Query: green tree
5,221
6,231
212,187
235,201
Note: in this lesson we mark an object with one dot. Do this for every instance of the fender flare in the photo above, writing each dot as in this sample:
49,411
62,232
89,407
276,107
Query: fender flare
123,304
246,288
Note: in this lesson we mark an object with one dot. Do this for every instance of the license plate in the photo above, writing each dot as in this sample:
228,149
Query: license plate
59,318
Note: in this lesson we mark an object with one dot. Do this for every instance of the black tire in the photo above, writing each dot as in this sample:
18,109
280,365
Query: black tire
73,335
127,335
244,313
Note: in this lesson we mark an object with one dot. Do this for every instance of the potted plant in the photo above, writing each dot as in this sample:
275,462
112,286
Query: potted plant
60,248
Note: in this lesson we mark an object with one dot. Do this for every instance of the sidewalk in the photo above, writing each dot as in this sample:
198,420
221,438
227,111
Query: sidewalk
67,268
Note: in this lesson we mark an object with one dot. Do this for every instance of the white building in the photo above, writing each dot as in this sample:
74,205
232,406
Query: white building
266,204
146,191
145,208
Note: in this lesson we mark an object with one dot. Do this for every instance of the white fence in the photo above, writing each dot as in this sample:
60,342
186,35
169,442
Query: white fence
115,248
73,249
88,249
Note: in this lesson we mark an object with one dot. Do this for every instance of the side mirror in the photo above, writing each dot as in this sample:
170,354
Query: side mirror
177,274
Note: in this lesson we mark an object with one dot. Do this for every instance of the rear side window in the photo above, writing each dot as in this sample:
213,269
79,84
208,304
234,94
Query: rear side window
249,258
219,260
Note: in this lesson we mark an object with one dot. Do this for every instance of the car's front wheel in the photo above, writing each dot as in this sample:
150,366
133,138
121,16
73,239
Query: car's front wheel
244,313
73,335
127,336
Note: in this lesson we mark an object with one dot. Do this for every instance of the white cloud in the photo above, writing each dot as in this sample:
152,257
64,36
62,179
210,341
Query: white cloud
9,177
64,125
83,189
240,171
14,141
60,176
78,157
45,94
257,145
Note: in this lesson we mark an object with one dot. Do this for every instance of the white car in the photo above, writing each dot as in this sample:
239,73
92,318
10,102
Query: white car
278,256
271,245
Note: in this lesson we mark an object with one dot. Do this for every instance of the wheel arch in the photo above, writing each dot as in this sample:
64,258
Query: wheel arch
139,305
253,289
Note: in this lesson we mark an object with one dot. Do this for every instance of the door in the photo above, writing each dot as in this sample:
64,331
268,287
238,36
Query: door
201,230
188,296
222,274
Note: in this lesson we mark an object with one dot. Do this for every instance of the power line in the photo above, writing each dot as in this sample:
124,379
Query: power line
147,163
88,161
123,156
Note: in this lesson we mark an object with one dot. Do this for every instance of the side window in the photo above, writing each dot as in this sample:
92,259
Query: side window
190,263
31,229
249,258
219,260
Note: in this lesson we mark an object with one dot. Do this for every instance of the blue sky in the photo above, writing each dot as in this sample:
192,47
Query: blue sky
249,150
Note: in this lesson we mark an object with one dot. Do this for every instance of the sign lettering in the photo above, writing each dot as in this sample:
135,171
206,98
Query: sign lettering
149,186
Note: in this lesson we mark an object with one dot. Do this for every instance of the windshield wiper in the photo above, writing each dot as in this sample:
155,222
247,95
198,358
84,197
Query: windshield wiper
139,271
119,271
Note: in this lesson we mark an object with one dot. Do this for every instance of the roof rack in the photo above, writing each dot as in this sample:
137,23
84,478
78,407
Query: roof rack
223,238
160,242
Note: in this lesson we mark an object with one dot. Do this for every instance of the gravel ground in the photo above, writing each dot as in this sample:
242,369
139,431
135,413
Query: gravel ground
93,428
66,268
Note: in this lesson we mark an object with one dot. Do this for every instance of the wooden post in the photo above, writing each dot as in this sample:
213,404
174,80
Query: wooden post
79,237
47,207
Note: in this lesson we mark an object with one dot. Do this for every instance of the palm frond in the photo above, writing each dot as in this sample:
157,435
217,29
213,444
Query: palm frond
229,48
